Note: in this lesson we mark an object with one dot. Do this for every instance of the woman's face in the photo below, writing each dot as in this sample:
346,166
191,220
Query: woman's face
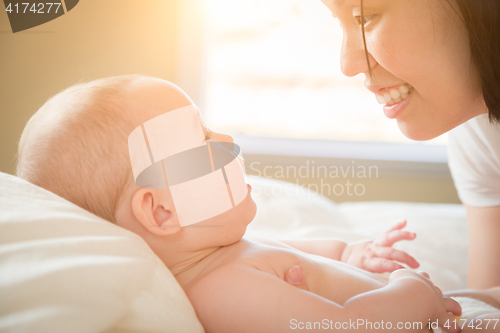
422,44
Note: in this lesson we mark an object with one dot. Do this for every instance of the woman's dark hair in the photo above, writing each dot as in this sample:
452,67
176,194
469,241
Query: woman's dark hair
482,21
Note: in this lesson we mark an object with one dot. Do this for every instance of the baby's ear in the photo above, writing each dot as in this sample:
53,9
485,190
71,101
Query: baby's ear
155,212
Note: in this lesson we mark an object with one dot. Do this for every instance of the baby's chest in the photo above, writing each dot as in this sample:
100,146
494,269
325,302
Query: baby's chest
331,279
277,262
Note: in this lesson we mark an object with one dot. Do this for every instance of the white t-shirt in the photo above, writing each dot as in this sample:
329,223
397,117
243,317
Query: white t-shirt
474,161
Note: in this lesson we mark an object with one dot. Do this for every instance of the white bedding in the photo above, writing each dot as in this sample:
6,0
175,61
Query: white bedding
65,270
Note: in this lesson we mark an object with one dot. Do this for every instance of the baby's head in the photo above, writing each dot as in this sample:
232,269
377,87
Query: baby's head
77,146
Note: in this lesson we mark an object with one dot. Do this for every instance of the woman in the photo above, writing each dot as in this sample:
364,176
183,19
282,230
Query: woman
435,65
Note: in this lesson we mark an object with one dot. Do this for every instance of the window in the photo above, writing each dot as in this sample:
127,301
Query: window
271,68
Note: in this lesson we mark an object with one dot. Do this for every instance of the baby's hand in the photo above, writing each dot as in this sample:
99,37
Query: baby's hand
379,256
445,308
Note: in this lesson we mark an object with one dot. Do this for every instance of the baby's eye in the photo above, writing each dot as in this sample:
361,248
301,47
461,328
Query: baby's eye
366,19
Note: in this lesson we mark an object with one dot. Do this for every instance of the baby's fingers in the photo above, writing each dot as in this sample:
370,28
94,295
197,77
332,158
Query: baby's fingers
379,265
396,255
452,306
389,238
397,226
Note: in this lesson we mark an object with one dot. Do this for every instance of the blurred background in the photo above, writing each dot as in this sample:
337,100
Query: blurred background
265,71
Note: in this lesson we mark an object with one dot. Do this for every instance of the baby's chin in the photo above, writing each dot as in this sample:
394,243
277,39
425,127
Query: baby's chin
250,206
245,211
240,217
242,214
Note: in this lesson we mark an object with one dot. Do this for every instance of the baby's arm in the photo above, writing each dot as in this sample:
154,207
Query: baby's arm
243,299
376,256
328,248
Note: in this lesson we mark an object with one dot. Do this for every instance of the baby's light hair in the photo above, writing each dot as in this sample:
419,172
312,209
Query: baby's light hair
76,145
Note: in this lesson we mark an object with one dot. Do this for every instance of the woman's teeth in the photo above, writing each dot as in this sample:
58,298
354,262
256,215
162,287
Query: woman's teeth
393,95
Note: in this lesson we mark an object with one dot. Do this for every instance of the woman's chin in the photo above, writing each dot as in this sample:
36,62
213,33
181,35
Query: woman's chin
419,132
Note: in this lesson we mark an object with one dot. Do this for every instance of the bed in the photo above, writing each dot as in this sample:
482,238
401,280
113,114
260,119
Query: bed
63,269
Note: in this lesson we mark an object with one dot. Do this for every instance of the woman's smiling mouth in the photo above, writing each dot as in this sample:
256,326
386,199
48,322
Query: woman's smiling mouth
393,95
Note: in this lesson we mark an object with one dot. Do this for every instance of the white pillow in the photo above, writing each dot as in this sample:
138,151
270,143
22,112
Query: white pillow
63,269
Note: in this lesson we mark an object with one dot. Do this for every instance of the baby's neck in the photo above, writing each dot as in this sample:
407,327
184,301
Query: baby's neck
186,261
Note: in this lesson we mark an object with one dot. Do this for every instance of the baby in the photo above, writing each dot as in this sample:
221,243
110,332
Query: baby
76,146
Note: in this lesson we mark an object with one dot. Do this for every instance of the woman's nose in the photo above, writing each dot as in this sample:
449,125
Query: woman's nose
220,137
353,56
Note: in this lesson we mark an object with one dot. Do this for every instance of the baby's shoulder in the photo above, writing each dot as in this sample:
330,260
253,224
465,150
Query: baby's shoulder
243,259
260,241
218,279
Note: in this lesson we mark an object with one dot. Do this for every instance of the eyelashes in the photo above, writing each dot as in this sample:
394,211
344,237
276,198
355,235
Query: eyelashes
366,19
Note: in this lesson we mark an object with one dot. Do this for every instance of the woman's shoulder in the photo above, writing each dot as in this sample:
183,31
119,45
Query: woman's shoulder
476,136
474,160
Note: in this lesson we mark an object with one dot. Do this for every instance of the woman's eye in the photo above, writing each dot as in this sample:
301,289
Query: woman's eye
366,19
